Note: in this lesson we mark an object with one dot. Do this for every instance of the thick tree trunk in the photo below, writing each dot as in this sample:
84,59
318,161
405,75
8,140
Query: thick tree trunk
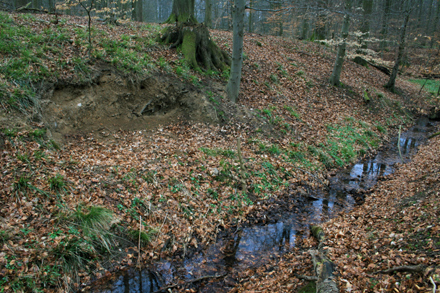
197,46
182,12
208,13
137,10
233,87
391,83
336,74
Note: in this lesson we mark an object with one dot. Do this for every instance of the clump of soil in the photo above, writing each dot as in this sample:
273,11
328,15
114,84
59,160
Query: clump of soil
113,102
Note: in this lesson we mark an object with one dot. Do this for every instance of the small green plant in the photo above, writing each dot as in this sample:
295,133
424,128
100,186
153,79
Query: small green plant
57,183
300,73
23,157
274,78
274,150
21,184
292,112
145,237
39,132
10,132
381,129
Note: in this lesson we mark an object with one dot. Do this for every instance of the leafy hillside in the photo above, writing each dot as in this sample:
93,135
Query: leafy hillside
124,142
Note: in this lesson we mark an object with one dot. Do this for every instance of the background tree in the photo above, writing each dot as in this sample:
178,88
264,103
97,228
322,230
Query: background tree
208,13
337,68
233,87
392,81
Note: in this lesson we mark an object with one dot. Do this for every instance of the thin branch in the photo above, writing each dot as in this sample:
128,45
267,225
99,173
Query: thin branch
434,287
412,269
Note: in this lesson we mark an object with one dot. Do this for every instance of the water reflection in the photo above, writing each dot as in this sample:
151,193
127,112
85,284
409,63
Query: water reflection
134,282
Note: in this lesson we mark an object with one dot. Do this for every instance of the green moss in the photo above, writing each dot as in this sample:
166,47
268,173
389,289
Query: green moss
189,48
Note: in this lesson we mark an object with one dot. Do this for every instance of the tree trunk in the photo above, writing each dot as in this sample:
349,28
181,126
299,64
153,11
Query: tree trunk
391,83
182,12
233,86
435,24
197,46
367,6
320,30
336,74
251,24
385,21
208,13
137,10
51,6
428,27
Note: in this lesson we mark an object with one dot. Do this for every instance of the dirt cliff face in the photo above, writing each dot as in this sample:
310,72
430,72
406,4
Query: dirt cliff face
113,102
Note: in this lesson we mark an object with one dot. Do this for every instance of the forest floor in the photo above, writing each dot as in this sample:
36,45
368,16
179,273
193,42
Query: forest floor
100,149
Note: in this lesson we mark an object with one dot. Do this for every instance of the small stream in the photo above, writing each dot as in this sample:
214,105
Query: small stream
256,245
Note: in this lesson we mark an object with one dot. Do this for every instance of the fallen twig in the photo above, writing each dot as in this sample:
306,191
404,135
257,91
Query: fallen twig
433,135
398,143
189,282
434,287
413,269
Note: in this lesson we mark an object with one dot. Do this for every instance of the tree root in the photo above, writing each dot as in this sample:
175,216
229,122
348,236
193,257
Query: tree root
197,46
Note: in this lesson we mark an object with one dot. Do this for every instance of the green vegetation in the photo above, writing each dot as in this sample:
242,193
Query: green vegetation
57,183
216,152
431,86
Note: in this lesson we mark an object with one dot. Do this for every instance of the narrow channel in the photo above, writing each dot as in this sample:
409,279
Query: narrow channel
256,245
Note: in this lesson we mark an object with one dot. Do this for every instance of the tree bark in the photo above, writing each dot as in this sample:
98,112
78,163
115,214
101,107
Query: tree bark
197,46
367,6
137,14
208,13
251,24
182,12
385,21
336,74
392,81
233,87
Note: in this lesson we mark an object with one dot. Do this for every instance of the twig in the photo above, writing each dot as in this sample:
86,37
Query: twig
189,282
398,143
139,244
414,269
433,135
434,287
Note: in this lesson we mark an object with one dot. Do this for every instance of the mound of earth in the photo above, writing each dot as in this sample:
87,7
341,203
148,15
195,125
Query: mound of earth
113,102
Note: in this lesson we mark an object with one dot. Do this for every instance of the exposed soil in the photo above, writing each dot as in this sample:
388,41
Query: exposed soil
113,103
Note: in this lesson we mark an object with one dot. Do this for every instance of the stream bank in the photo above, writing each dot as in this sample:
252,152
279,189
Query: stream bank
279,230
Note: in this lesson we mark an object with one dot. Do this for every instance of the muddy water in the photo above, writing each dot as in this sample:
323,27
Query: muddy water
255,245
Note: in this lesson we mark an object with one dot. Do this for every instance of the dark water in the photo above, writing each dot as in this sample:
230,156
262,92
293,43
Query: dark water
256,245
